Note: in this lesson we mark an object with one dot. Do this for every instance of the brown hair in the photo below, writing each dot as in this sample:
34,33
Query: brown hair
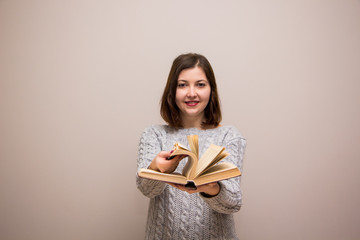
170,111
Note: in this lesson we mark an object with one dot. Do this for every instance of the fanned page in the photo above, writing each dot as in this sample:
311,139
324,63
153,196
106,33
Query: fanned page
221,167
218,172
218,158
192,158
211,156
194,144
190,167
178,146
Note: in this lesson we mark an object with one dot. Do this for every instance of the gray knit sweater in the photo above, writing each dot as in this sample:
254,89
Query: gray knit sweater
174,214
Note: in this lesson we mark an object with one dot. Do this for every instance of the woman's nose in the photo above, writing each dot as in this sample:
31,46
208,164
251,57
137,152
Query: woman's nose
192,92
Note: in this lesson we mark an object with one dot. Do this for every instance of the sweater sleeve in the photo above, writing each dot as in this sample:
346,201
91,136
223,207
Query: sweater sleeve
229,199
149,147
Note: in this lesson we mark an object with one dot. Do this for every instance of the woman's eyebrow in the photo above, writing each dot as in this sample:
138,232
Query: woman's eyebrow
200,80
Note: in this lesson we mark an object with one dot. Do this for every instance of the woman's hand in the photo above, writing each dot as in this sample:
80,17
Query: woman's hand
162,164
211,189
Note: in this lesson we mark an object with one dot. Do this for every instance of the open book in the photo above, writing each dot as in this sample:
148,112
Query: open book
196,171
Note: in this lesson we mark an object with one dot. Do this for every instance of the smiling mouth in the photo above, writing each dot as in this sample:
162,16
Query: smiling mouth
192,103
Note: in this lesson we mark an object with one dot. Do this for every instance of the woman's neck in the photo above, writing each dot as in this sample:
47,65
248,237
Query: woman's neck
195,122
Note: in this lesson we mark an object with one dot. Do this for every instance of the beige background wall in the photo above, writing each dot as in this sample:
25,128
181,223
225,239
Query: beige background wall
80,80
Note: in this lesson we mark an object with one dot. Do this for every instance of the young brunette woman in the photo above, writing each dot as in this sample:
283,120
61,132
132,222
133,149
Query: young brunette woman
190,105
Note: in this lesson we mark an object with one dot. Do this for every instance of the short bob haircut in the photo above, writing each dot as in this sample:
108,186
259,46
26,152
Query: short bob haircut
170,111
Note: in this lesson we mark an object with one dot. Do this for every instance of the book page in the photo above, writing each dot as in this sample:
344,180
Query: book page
191,165
165,177
218,172
212,156
192,159
194,144
178,146
180,149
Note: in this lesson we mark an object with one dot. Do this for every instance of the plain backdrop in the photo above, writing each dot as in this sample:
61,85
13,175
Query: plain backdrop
80,80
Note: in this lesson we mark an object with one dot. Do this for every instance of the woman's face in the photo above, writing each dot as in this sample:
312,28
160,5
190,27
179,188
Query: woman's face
192,93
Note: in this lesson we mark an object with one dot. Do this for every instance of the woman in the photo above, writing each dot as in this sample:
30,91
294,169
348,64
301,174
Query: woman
190,105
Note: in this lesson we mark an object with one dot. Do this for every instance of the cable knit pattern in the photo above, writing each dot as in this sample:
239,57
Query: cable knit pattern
174,214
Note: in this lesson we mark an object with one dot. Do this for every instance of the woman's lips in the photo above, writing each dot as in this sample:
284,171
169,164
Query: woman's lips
192,103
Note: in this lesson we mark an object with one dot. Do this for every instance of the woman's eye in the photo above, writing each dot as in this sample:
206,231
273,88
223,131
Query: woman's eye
181,85
201,84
